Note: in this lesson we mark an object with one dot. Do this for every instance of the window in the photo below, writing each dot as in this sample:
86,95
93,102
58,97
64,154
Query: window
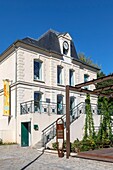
37,101
47,100
59,104
37,70
71,77
59,75
86,78
72,105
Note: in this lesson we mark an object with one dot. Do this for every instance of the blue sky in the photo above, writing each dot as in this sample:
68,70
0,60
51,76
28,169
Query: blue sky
89,22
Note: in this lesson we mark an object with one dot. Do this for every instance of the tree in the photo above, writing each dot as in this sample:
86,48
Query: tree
87,60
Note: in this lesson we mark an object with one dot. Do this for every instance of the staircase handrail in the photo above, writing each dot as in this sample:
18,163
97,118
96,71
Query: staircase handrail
62,116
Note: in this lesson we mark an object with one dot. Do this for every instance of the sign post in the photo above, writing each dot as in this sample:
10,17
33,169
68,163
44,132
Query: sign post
60,136
67,123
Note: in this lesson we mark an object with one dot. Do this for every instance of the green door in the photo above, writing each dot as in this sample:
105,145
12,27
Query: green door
24,134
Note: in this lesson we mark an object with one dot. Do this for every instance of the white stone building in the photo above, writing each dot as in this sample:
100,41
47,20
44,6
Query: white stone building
38,71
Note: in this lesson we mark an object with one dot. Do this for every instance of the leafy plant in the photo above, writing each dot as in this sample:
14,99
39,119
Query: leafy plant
105,130
54,146
89,123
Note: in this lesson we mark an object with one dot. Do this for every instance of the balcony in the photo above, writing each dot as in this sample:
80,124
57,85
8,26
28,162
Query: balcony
42,107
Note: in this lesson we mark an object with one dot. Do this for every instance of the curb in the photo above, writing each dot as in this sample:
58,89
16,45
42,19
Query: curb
55,152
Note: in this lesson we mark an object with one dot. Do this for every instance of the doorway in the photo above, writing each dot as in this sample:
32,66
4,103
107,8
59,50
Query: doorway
25,133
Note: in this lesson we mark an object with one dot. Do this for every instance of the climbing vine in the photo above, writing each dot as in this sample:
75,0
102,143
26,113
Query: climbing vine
89,123
105,130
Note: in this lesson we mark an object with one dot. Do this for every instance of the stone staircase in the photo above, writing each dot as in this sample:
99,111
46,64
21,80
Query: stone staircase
49,132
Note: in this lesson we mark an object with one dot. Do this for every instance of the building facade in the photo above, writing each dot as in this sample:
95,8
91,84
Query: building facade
38,72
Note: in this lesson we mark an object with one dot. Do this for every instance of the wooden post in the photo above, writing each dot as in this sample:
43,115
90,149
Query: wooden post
67,123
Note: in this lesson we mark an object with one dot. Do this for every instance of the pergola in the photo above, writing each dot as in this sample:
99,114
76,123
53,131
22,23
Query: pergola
79,88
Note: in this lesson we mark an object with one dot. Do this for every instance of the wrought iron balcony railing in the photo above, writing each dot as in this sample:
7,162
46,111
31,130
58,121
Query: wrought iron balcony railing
42,107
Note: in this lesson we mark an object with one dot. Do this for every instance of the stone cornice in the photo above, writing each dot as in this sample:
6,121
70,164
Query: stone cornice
20,43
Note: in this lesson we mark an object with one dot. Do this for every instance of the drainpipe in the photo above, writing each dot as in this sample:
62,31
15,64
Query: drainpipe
15,49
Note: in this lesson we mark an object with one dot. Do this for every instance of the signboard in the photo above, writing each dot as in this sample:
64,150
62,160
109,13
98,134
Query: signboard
60,131
60,136
6,98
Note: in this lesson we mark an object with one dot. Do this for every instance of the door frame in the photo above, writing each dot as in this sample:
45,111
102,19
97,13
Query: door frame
28,130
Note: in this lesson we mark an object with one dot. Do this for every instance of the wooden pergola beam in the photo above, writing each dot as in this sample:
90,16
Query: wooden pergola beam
88,91
78,88
104,88
94,81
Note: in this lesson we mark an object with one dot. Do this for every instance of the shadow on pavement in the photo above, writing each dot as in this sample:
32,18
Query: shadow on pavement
32,161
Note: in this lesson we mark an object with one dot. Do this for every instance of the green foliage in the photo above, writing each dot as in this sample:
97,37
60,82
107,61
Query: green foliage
105,130
87,60
90,144
104,137
87,144
55,145
105,107
104,83
75,146
89,123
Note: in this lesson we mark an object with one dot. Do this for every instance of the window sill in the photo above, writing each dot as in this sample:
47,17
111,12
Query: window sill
60,85
71,85
41,81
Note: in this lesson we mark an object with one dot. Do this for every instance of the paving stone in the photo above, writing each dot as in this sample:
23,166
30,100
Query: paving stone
17,158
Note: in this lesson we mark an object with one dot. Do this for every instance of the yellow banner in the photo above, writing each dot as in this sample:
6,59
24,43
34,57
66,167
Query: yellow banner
6,98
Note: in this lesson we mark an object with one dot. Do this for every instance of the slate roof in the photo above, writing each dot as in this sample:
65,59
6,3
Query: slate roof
50,42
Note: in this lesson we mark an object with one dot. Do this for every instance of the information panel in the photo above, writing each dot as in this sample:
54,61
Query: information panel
6,98
60,136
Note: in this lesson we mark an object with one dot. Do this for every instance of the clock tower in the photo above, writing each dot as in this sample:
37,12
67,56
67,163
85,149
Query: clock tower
65,41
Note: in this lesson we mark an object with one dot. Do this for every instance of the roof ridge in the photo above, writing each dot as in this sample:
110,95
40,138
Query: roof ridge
54,31
30,38
50,30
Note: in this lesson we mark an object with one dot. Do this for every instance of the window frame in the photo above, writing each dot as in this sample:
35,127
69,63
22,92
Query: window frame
59,76
71,82
86,87
40,70
38,103
60,107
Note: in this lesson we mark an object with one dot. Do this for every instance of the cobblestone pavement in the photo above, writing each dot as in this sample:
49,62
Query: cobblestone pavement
17,158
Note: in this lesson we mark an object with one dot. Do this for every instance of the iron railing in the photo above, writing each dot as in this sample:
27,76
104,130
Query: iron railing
52,108
42,107
50,132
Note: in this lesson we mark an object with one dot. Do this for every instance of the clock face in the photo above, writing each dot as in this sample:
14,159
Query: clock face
65,45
